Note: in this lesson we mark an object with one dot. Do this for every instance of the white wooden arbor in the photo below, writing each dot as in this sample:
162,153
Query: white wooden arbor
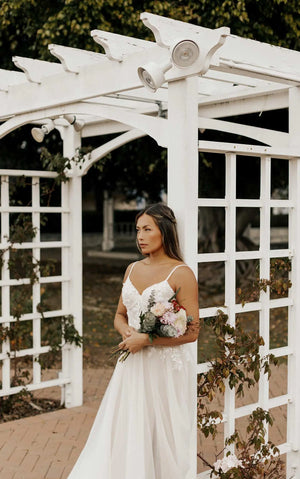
231,76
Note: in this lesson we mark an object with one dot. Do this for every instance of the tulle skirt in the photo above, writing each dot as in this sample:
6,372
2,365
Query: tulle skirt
144,428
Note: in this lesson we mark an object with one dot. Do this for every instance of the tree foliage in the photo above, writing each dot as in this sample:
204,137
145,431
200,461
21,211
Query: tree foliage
138,169
28,26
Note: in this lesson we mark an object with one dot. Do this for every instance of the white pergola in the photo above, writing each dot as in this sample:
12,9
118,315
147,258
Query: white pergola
228,76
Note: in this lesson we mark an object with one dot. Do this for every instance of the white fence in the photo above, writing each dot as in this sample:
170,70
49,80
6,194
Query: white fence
288,403
67,283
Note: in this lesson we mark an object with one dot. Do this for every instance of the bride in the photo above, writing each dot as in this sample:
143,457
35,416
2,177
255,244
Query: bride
143,429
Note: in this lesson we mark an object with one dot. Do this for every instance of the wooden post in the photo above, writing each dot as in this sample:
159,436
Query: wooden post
293,410
230,278
108,223
72,265
183,183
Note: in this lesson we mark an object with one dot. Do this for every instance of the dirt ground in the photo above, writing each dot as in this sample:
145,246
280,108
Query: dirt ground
102,283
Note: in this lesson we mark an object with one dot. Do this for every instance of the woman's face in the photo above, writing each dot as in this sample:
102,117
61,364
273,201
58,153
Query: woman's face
148,235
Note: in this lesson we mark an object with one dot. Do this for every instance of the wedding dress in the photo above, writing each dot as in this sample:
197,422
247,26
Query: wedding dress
144,426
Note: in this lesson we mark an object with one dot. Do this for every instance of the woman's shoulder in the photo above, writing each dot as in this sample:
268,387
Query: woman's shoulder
180,265
130,267
183,280
182,271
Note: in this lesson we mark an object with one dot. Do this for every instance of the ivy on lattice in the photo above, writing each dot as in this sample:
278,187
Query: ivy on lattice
239,364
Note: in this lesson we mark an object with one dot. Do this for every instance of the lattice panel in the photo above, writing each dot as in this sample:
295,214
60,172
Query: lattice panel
262,312
34,205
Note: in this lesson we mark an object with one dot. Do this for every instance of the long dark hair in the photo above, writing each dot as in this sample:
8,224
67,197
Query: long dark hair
166,221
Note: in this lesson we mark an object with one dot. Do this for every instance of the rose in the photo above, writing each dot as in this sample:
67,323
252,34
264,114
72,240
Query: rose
176,306
180,322
227,463
160,308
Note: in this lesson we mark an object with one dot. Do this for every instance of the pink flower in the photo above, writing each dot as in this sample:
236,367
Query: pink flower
160,308
168,318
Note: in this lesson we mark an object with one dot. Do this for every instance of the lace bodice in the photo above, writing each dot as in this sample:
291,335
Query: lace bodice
136,303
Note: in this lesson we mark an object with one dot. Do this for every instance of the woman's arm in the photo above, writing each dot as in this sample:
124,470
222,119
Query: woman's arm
184,280
121,320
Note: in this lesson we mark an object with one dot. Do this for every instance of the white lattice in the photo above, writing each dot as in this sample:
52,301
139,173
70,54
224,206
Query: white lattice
64,280
264,305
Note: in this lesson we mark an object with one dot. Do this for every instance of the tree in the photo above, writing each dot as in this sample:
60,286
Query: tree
28,26
136,170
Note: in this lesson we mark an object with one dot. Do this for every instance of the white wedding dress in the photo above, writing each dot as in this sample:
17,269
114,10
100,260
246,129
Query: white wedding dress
144,426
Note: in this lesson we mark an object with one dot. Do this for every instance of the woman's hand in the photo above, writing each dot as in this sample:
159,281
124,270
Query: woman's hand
128,330
135,342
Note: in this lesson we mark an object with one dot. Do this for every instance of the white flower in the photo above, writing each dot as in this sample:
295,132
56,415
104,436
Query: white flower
227,463
180,322
160,308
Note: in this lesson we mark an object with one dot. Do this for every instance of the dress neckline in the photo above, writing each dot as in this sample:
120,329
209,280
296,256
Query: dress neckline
150,286
154,284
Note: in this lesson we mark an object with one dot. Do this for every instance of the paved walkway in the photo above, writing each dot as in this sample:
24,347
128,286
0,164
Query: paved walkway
47,446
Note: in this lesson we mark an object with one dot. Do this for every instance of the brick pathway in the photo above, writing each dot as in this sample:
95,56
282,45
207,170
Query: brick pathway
46,446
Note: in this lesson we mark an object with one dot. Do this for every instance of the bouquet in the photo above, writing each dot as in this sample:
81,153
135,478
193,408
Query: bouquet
161,319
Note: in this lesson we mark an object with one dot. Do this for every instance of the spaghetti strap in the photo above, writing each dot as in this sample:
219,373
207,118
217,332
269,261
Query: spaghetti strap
132,266
178,266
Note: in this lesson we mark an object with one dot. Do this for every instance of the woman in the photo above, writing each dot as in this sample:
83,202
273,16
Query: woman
144,424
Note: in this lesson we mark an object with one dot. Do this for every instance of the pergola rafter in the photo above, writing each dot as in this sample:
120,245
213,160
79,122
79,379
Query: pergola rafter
83,75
